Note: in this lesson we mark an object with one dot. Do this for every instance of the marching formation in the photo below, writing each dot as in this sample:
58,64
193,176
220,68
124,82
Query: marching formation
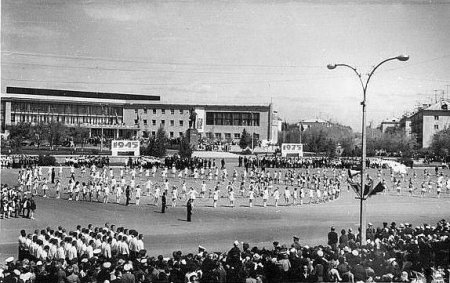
202,182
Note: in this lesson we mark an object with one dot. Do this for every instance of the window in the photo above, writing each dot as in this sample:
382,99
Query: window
227,136
218,136
171,135
237,136
163,111
180,134
256,136
145,110
436,117
13,118
172,111
237,120
181,111
154,111
163,122
436,127
145,122
181,123
153,133
153,122
227,119
172,123
136,121
209,118
135,111
218,119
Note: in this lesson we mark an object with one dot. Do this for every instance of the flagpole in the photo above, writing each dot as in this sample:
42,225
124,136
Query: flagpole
364,84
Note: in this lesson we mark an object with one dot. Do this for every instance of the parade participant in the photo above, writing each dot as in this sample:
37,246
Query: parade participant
276,196
118,194
287,195
265,196
215,196
251,197
174,196
45,188
138,194
203,189
231,196
192,195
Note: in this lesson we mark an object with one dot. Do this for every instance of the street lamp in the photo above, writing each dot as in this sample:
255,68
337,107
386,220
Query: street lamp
362,207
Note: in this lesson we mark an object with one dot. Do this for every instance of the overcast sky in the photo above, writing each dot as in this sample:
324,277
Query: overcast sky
234,52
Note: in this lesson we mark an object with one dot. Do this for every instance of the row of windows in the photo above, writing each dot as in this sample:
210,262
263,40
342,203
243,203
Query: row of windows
29,118
216,135
232,119
163,122
171,134
227,136
163,111
73,109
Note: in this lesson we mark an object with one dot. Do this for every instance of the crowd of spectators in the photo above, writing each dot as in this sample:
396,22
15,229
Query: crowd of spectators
87,161
106,254
192,163
14,203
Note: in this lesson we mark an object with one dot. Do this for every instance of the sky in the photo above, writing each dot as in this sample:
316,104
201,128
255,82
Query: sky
235,52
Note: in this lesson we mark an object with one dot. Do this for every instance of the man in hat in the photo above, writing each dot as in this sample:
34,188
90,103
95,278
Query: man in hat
296,243
127,276
332,238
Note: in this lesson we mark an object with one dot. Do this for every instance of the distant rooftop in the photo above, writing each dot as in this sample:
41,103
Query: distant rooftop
80,94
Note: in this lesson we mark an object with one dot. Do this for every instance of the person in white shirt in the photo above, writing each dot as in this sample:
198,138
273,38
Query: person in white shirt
140,242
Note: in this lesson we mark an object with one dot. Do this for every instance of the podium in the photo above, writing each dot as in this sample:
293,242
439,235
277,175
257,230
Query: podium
193,137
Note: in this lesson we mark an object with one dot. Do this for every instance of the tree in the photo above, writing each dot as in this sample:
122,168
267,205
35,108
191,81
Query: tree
160,143
56,133
440,144
18,133
185,150
39,133
79,135
245,140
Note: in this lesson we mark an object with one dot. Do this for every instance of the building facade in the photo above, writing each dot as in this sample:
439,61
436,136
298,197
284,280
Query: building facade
427,121
114,115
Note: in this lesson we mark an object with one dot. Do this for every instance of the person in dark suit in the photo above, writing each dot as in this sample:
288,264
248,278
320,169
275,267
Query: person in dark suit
53,175
189,210
163,203
333,238
127,194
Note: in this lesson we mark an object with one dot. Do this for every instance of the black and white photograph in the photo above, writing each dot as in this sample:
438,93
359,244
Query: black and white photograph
225,141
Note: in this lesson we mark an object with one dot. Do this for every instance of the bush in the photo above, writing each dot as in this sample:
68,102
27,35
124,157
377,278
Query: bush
46,160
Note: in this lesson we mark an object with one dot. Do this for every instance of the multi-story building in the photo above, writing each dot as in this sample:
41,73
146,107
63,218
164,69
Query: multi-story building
389,123
130,115
428,120
308,123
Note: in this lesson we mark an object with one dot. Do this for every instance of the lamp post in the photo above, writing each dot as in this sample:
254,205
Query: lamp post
364,84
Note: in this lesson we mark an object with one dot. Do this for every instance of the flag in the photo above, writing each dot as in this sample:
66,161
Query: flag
377,189
368,188
353,173
355,186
